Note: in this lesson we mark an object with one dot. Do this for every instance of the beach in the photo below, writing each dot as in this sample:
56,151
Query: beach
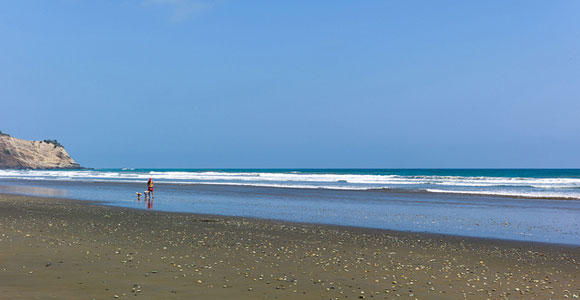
58,248
205,149
538,205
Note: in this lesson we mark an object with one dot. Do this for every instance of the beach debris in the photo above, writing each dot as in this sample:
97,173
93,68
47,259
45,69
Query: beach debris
228,254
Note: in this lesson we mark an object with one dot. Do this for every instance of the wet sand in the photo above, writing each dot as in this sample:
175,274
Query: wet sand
56,248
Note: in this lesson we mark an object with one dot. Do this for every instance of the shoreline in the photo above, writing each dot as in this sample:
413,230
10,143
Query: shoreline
431,235
415,180
420,191
352,228
63,247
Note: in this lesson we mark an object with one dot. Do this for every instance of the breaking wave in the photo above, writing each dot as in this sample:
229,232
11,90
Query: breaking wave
515,186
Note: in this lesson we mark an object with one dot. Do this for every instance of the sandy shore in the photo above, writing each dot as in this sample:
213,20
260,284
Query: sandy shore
55,249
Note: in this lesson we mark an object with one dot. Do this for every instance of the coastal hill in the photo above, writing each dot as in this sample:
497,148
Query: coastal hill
22,154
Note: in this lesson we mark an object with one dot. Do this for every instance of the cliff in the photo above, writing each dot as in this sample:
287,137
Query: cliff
22,154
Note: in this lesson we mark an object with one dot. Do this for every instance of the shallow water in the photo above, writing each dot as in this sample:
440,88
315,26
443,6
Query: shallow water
531,183
540,220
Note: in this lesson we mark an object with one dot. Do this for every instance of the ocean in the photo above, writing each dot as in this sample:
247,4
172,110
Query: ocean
540,205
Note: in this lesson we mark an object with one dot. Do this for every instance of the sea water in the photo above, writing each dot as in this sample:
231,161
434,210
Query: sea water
528,205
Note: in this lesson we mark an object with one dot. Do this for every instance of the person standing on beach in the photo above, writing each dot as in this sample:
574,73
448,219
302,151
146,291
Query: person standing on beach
150,188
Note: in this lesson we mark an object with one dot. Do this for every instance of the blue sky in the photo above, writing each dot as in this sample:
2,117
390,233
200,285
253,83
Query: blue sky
214,84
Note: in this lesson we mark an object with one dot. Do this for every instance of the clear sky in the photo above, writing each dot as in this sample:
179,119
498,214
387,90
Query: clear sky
368,84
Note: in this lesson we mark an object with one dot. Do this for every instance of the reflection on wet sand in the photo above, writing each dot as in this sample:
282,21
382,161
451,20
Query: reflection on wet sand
540,220
147,199
32,190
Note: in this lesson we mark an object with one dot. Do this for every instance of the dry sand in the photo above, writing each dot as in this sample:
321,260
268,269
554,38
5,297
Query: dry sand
67,249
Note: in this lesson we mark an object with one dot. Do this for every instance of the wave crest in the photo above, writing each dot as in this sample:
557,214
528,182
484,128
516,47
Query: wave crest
554,187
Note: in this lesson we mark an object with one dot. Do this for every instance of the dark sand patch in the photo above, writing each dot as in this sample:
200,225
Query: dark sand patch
54,249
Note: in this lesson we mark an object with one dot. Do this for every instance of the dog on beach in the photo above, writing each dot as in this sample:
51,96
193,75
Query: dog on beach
145,193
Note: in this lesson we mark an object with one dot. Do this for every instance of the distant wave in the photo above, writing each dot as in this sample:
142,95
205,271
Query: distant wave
551,187
510,194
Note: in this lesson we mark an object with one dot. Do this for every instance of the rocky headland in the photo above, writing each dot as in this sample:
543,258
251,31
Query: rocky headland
22,154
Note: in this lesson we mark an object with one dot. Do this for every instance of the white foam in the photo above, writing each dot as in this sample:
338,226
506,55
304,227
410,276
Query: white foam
507,186
509,194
